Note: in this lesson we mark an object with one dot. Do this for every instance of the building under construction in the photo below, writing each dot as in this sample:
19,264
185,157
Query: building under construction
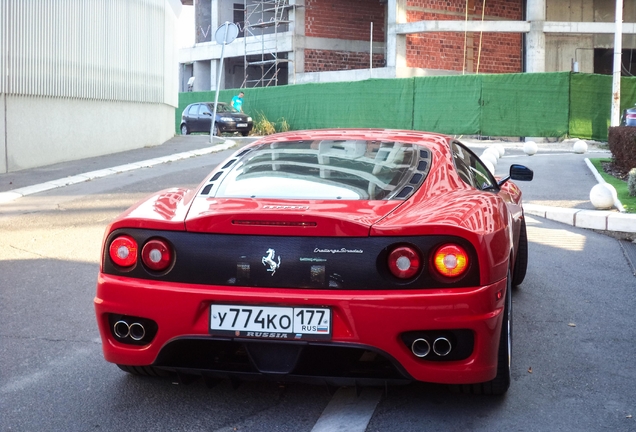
298,41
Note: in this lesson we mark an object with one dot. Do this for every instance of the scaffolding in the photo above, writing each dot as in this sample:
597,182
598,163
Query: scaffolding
265,22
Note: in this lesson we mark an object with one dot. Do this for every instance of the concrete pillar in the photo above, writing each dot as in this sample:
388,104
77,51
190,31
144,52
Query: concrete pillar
203,25
395,44
204,76
297,28
535,39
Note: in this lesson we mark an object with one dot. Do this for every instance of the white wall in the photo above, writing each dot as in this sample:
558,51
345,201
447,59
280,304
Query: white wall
85,78
42,131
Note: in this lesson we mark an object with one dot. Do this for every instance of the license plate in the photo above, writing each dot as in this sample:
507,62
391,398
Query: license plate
270,321
241,125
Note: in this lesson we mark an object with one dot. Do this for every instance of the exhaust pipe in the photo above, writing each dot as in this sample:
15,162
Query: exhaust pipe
420,347
121,329
442,346
137,331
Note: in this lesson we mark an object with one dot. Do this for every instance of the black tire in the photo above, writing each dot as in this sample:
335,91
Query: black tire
184,129
216,131
246,133
500,384
143,371
521,263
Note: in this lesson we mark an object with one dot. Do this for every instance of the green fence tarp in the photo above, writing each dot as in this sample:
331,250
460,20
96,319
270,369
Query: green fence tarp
591,104
525,104
447,104
371,103
539,104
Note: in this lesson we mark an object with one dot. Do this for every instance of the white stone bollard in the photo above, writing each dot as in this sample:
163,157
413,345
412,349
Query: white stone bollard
580,147
489,166
494,152
603,196
530,148
500,149
487,156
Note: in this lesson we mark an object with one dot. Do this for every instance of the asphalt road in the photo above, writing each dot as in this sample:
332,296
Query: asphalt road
573,353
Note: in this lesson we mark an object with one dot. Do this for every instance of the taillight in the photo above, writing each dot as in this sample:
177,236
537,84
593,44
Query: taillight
123,251
451,260
404,262
156,255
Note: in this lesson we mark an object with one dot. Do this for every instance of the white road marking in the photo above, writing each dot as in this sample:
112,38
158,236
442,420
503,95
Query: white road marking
348,412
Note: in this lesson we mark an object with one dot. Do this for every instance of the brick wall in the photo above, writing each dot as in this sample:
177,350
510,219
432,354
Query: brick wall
349,20
500,52
343,19
325,61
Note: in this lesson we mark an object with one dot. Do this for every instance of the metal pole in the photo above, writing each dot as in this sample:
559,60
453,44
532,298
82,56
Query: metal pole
616,82
371,49
218,83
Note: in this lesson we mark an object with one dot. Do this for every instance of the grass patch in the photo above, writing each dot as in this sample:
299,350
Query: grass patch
629,202
263,126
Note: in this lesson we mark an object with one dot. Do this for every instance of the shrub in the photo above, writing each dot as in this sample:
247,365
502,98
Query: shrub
622,144
262,126
631,182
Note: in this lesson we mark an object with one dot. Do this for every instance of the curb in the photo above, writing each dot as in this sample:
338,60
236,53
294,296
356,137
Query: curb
603,220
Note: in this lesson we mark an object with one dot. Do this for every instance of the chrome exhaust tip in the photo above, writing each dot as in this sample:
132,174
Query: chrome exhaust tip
442,346
121,329
420,347
137,331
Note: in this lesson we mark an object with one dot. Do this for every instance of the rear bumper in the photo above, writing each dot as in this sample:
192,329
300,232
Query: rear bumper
372,321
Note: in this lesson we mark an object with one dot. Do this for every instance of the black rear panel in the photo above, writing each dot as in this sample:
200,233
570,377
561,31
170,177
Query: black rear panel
340,263
332,363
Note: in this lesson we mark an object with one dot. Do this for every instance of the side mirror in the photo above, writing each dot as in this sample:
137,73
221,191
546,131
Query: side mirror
520,172
517,172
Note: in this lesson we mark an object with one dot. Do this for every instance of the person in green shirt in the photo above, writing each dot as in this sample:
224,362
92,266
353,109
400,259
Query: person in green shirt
237,102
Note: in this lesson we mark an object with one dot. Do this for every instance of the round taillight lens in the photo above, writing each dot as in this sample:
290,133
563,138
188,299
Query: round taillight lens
156,255
123,251
404,262
451,260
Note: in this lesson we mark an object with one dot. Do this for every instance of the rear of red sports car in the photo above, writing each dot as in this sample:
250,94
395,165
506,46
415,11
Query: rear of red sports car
335,256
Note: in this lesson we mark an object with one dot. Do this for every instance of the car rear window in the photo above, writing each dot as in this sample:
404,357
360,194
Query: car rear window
324,169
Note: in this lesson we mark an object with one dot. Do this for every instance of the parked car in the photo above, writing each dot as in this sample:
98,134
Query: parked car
197,117
346,257
629,117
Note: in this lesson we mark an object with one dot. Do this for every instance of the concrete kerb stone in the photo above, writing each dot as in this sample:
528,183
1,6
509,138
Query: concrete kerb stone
9,196
622,222
557,214
592,219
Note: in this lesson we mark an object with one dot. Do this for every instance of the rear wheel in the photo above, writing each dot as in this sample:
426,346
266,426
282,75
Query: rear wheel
521,263
184,130
143,371
500,384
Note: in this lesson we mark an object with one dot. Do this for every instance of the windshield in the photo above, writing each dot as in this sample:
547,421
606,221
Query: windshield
223,108
327,169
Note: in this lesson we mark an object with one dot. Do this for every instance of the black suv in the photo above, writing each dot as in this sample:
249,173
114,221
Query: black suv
197,117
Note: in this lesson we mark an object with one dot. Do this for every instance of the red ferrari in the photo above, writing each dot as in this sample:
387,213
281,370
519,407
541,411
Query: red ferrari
345,257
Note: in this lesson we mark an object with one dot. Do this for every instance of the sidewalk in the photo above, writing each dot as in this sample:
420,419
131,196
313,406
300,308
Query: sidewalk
560,189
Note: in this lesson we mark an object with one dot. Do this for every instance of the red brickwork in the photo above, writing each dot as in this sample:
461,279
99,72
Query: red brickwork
349,20
343,19
500,52
324,60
